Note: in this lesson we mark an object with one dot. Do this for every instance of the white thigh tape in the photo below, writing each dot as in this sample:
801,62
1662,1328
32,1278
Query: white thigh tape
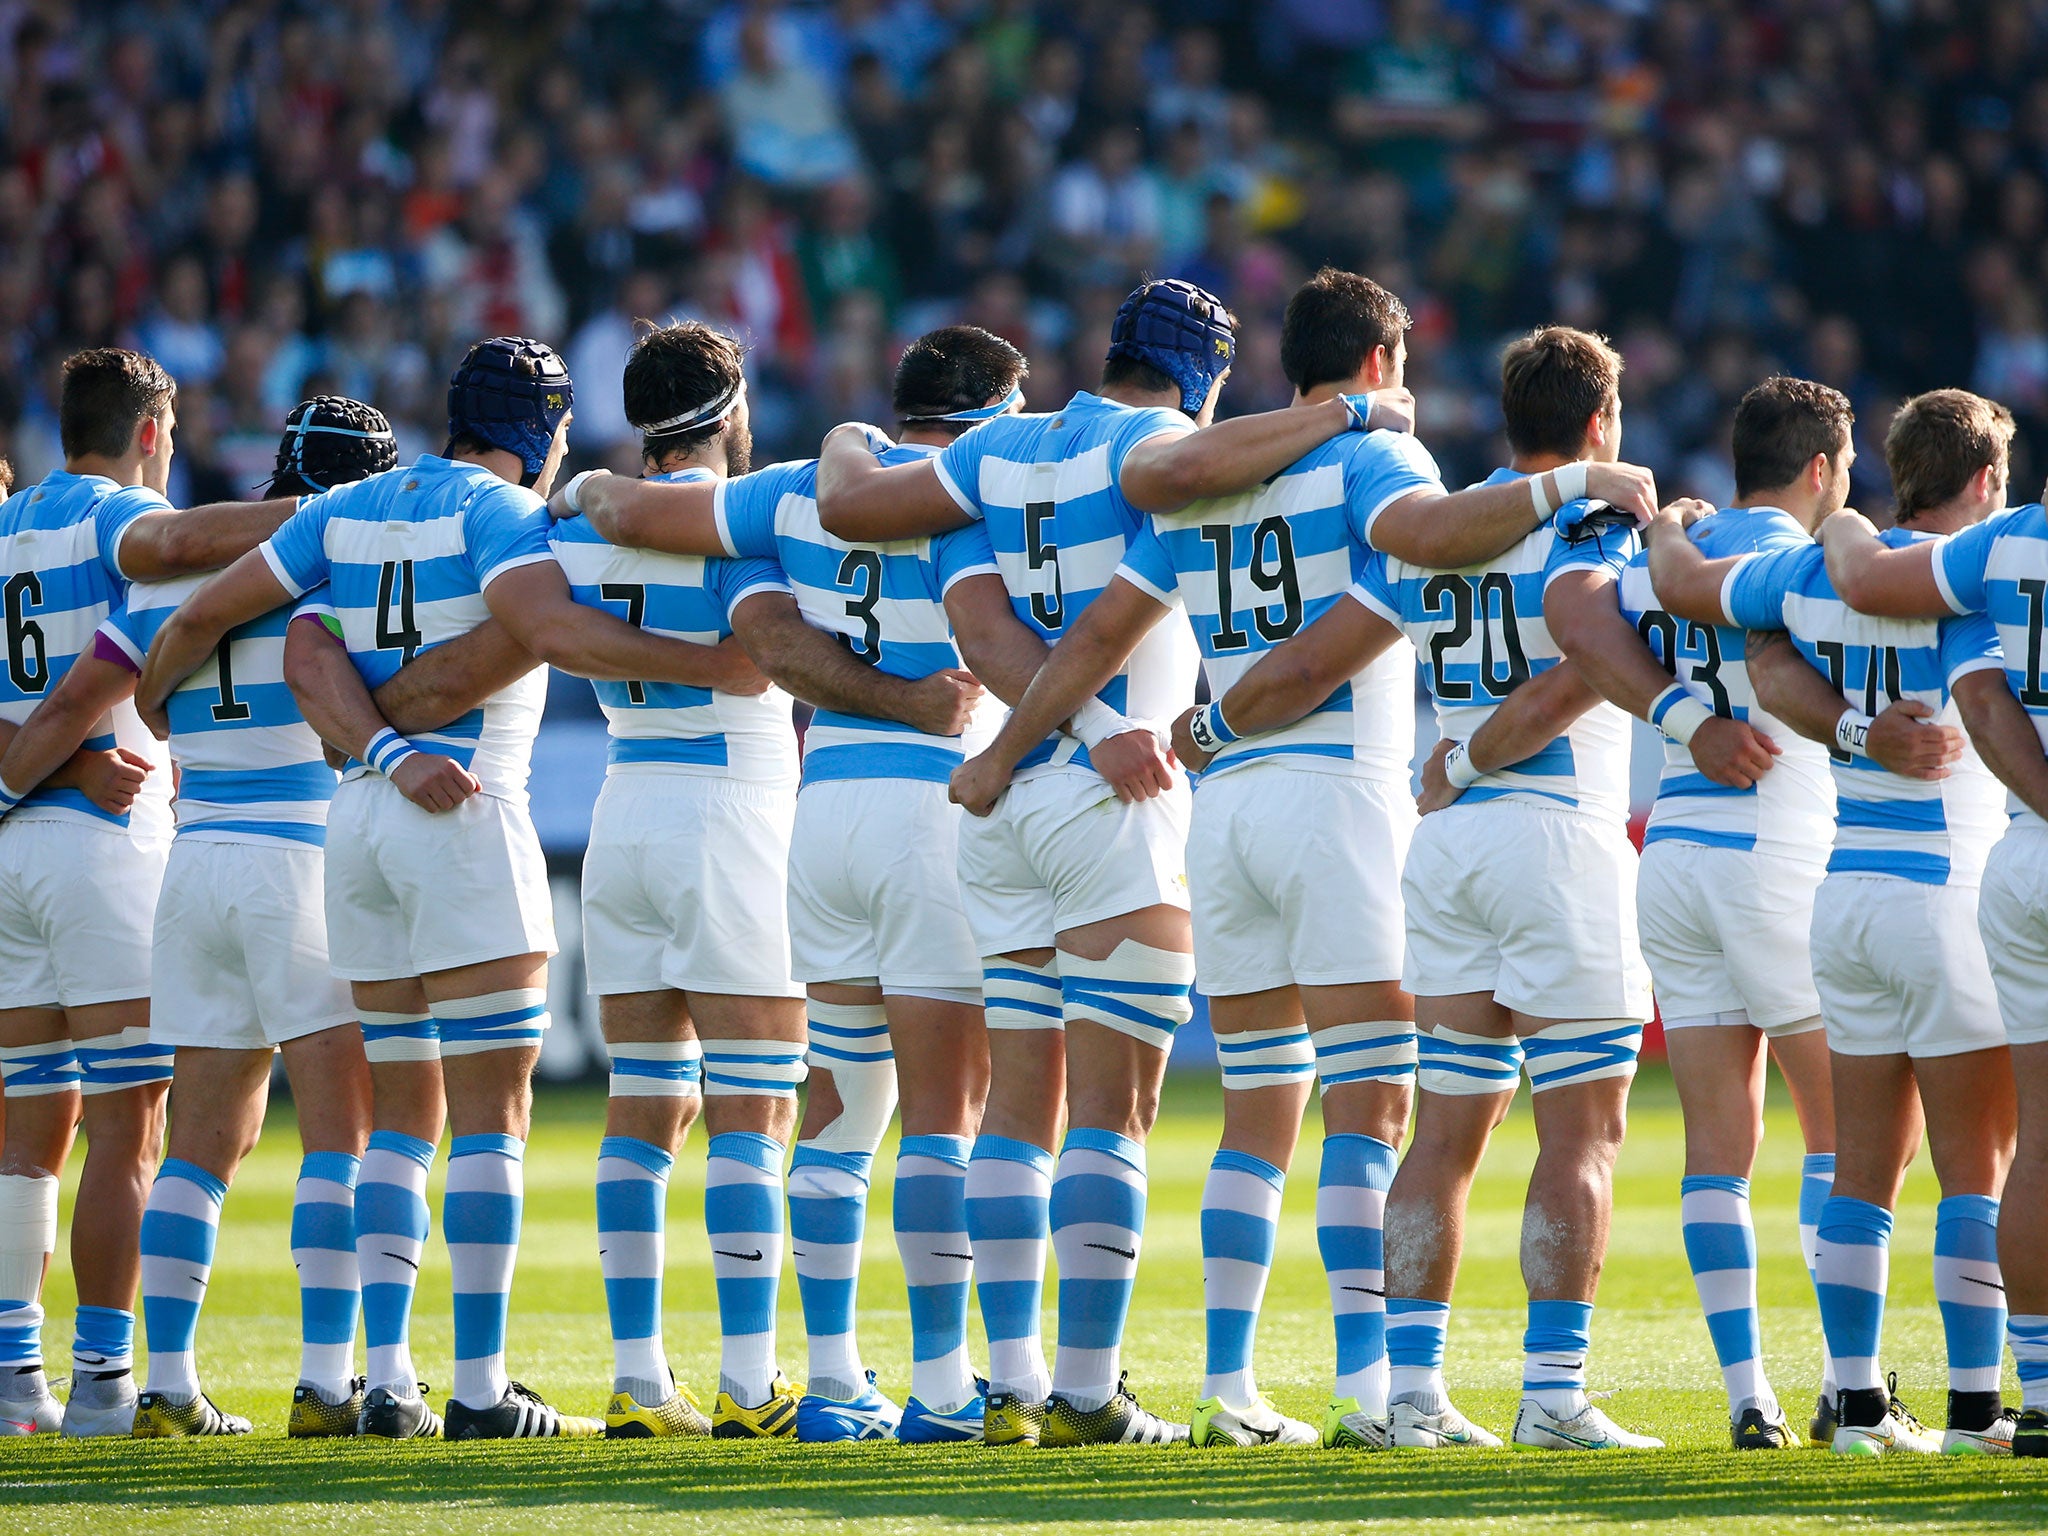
734,1068
1450,1061
400,1037
1020,996
1265,1058
970,997
493,1021
657,1069
130,1059
30,1071
847,1034
1582,1052
1382,1050
1138,991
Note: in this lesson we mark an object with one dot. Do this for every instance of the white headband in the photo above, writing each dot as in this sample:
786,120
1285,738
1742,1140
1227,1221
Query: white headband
703,416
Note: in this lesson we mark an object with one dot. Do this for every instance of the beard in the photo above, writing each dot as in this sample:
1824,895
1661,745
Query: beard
739,447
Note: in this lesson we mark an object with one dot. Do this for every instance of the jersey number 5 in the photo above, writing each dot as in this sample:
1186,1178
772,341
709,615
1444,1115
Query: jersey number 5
1042,552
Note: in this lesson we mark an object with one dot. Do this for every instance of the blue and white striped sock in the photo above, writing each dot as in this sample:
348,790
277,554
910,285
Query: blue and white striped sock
391,1235
1351,1204
828,1217
481,1215
1970,1290
1554,1349
743,1219
1009,1190
632,1201
2027,1333
1240,1225
324,1253
931,1239
1416,1334
1720,1245
1097,1212
180,1225
1816,1183
103,1341
1855,1262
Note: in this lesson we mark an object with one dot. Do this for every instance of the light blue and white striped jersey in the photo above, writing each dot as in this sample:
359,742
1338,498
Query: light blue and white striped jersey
672,727
1936,833
1790,812
59,547
407,555
1046,487
1253,569
250,770
2000,568
885,602
1481,635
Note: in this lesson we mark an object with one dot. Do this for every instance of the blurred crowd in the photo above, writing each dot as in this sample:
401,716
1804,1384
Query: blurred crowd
281,198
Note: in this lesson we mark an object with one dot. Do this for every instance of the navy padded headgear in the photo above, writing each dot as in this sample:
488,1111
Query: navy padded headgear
1181,330
512,392
331,440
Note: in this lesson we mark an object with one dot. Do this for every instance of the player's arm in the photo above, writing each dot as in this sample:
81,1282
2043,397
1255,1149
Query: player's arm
1587,622
1902,739
245,590
1298,674
533,602
2004,735
1874,578
864,502
1093,650
1000,649
447,682
51,741
1687,583
815,667
159,545
332,696
1526,721
1170,469
1450,529
675,517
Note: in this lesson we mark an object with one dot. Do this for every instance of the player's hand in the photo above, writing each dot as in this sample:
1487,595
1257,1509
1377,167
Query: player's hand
559,504
1135,765
1383,410
1192,757
943,703
1905,740
1687,509
433,782
157,719
110,780
1732,752
978,784
1628,486
1437,791
737,672
336,758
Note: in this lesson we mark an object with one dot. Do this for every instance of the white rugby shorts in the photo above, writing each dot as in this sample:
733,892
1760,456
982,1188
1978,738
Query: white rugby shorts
77,906
683,886
241,947
410,892
874,886
1533,903
1294,878
1060,851
1901,968
2012,915
1725,932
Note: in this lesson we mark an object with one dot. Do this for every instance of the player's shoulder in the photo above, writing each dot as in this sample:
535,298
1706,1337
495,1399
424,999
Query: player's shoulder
1747,531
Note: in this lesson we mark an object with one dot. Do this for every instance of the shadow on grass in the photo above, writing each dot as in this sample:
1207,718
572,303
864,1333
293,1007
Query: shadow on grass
969,1486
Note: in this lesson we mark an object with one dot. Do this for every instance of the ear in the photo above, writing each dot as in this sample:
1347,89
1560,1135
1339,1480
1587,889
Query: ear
1596,429
146,434
1379,366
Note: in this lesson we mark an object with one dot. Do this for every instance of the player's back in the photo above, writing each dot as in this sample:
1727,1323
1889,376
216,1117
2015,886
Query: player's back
249,767
2000,568
57,547
1480,634
1936,832
407,554
886,603
1046,486
1254,569
677,727
1790,811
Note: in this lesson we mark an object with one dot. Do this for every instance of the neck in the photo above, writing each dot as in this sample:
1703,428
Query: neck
1803,505
506,466
924,435
1319,394
707,457
1950,517
126,470
1537,463
1128,394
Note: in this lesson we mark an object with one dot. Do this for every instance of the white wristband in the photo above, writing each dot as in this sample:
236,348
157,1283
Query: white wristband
11,797
1678,714
1571,480
1211,732
1545,507
1095,722
1459,769
572,493
1852,733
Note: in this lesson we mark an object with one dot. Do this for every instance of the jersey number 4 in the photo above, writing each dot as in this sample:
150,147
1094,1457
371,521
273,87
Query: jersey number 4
1270,568
395,599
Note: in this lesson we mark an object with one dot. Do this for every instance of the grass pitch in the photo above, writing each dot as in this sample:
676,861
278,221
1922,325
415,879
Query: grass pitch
1649,1342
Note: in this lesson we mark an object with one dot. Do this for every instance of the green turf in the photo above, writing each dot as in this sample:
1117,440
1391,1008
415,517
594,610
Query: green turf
1649,1342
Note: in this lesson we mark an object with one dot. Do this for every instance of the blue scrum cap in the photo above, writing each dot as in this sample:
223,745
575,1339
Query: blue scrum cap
1181,330
512,392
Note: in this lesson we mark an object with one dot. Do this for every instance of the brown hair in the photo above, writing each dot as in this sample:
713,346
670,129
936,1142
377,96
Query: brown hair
1551,382
1335,321
107,393
1780,425
1938,441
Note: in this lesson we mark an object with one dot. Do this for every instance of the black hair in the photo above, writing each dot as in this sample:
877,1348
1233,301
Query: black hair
955,368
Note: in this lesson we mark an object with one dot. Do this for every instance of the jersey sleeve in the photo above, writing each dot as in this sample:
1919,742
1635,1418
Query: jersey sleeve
1969,644
1375,589
1386,467
1605,550
745,510
737,580
1755,594
1960,563
122,639
115,514
963,552
1142,426
504,528
958,466
1147,566
297,552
